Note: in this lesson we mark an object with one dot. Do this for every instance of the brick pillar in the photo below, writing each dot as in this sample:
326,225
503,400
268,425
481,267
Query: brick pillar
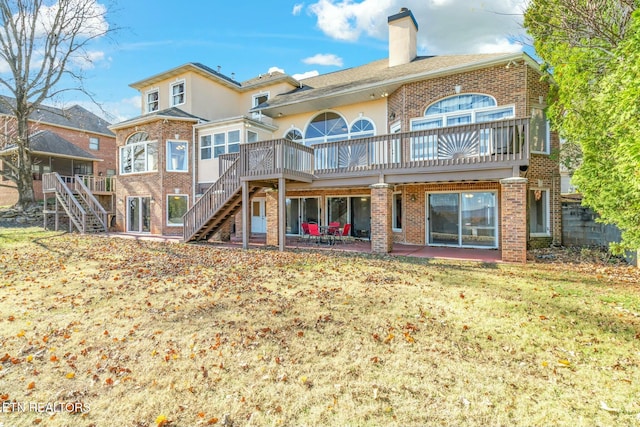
271,210
381,218
238,221
514,220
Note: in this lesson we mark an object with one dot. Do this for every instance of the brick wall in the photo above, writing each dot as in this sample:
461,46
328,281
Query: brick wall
381,218
514,220
160,184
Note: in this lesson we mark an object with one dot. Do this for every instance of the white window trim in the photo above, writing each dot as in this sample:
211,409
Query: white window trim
453,114
547,212
146,100
167,208
393,210
210,147
146,156
354,135
92,138
184,92
547,145
255,96
168,157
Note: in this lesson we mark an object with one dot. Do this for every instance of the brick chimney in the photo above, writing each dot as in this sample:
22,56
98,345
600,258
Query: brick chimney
403,32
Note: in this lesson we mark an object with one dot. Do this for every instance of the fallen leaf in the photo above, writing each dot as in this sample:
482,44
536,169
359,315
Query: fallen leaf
606,407
31,385
70,375
162,420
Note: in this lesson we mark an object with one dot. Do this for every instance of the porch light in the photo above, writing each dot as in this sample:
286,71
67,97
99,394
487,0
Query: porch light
457,88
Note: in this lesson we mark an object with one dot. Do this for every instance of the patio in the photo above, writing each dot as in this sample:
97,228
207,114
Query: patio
258,241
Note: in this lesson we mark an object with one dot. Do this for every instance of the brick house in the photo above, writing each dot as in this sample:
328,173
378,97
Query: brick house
440,151
67,141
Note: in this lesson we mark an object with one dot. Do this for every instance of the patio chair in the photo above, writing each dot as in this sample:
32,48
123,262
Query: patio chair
345,232
334,228
314,231
305,230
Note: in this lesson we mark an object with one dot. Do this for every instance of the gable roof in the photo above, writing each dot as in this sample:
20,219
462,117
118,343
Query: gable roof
172,113
374,79
74,117
52,144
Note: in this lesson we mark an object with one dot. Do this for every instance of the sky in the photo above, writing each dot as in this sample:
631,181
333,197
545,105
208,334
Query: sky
246,38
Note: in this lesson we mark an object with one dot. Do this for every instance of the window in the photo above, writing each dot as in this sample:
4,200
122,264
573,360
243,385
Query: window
177,93
397,211
153,98
233,141
205,147
177,159
362,128
139,155
218,144
539,212
326,127
94,143
294,135
260,98
252,136
539,136
454,111
176,208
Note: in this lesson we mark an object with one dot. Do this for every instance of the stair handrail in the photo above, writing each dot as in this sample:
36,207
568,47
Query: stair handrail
211,201
76,212
93,203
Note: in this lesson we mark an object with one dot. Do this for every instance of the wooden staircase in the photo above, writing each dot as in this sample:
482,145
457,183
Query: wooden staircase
74,199
218,204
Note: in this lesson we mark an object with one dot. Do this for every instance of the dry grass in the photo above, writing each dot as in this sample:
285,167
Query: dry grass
145,333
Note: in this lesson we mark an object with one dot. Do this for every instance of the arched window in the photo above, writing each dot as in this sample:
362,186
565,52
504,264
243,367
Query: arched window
294,135
137,137
326,127
462,109
139,154
362,128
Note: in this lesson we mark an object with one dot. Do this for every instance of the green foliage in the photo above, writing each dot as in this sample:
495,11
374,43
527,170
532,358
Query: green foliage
595,61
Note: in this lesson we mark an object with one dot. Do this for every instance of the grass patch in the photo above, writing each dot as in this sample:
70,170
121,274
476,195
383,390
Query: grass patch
137,333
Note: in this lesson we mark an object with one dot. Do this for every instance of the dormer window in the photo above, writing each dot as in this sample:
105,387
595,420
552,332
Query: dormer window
177,93
153,99
260,98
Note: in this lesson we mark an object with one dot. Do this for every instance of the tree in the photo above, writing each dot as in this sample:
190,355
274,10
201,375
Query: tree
592,48
43,44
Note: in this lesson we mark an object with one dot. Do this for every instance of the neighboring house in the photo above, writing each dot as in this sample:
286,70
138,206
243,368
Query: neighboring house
67,141
440,150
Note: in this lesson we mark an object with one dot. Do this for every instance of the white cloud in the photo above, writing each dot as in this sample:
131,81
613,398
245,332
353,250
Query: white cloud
306,75
446,26
297,9
88,59
276,70
324,59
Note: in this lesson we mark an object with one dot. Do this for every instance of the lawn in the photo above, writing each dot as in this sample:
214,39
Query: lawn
99,331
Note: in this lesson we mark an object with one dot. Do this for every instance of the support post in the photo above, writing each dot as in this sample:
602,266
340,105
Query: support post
381,218
514,220
245,215
282,226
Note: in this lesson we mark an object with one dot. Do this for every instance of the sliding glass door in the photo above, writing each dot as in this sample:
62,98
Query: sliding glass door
464,219
138,214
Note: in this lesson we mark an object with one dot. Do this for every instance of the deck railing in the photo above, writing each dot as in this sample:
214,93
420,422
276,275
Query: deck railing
212,200
279,157
93,203
491,142
54,182
99,184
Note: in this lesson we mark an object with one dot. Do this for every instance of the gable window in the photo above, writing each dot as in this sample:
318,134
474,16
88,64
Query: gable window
139,154
326,127
539,212
153,98
177,159
539,131
176,208
177,93
94,143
